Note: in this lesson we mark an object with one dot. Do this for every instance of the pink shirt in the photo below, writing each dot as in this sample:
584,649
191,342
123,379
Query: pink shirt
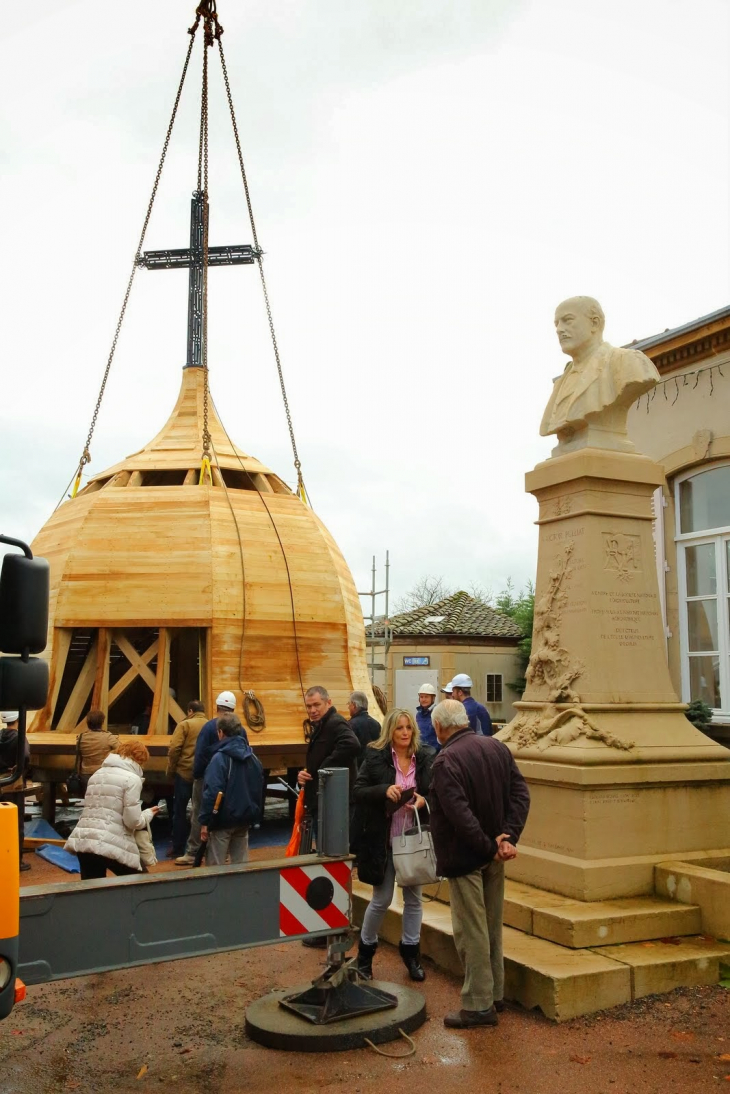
403,817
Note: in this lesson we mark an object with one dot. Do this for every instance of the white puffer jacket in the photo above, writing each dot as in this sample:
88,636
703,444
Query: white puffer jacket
112,811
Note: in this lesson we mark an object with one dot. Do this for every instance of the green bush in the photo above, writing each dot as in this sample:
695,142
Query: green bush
699,714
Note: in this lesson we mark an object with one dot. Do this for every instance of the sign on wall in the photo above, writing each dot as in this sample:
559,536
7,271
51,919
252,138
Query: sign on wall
416,662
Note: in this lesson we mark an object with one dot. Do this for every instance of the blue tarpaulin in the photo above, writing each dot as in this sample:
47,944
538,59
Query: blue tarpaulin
58,857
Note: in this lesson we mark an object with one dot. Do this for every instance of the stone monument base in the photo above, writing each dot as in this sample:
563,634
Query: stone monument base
619,778
597,832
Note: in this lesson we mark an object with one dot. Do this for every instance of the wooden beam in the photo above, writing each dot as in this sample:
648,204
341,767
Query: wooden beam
100,698
191,479
59,653
132,673
145,672
135,479
161,697
80,693
262,483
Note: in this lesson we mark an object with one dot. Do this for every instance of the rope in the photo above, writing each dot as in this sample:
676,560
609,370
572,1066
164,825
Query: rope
253,712
86,453
301,491
283,553
395,1055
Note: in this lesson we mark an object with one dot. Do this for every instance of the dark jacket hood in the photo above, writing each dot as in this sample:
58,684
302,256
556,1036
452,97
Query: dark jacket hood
237,748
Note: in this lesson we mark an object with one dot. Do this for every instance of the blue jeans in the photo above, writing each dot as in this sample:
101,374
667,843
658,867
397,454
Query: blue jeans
183,790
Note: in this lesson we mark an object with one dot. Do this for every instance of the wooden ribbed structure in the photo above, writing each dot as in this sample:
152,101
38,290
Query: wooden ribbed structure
159,583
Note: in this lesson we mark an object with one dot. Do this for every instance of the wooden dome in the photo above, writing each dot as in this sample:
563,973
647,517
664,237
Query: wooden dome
159,583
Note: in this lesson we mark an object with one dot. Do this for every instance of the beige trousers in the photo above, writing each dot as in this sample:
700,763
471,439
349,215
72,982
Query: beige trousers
477,900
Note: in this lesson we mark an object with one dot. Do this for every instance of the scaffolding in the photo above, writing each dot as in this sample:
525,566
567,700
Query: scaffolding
373,620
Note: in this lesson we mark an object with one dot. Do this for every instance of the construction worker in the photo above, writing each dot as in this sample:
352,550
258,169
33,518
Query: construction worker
426,703
479,719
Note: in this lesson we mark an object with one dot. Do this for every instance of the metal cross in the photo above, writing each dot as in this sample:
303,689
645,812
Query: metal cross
192,258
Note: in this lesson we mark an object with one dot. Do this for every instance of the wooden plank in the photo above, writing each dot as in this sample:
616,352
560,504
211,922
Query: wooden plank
59,653
144,671
132,673
135,479
100,698
262,483
161,697
191,479
80,692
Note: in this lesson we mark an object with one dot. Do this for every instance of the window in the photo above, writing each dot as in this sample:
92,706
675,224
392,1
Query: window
494,687
703,549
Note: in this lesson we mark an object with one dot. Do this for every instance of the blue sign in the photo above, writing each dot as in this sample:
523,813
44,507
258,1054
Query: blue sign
416,662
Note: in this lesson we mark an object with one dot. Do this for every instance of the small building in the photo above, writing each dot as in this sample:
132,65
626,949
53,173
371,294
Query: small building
432,643
684,424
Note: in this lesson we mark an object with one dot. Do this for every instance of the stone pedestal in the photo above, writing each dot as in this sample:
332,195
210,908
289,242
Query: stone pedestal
619,778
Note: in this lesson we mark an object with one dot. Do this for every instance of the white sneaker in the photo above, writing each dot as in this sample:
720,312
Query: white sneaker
185,860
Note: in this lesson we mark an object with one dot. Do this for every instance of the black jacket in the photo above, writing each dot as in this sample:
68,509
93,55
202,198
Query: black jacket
371,824
236,772
365,728
333,744
477,793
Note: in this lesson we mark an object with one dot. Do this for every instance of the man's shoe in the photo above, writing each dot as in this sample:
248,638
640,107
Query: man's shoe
499,1005
25,866
185,860
315,943
470,1019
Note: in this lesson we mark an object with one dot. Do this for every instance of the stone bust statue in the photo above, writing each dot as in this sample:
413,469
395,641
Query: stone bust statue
590,401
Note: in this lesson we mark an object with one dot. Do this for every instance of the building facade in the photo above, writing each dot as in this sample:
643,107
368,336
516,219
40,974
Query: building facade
684,424
431,644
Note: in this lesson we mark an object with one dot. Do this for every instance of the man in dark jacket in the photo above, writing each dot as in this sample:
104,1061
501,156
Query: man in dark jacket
479,804
332,744
365,728
206,744
479,718
235,774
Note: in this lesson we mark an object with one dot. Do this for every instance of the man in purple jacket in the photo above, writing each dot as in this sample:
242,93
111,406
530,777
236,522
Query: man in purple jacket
479,804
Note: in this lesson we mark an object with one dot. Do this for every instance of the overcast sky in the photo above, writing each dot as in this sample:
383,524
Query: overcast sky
430,178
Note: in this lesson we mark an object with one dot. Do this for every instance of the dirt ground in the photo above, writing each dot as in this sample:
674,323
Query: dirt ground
181,1024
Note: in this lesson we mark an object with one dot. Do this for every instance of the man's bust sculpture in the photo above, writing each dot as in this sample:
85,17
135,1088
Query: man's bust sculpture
591,400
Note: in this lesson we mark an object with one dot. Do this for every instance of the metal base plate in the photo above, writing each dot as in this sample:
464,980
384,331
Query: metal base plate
270,1024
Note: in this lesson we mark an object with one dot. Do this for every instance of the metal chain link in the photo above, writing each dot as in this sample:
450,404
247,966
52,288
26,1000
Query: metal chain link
86,455
259,261
208,41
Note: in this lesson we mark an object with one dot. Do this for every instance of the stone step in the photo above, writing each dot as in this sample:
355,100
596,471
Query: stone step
658,967
565,982
581,924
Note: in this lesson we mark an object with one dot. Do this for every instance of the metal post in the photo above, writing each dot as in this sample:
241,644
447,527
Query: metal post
333,832
372,626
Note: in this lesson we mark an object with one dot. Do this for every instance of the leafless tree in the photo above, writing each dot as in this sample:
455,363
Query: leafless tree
427,590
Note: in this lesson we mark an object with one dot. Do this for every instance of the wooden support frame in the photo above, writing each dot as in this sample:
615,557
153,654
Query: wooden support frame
77,699
140,667
159,715
100,698
61,643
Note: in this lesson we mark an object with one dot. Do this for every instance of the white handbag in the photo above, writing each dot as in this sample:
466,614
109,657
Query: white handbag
145,846
414,857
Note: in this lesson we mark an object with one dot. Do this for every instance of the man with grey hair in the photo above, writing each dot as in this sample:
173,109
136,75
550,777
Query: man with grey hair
332,743
479,804
590,401
365,728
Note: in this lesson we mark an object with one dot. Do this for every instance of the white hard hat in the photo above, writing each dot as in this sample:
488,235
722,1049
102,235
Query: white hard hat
447,688
226,699
461,680
9,715
427,689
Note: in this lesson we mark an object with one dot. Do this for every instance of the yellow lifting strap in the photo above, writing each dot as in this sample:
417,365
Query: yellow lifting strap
76,485
205,472
302,493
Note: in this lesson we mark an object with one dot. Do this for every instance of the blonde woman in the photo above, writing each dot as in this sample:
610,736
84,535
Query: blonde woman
104,837
396,767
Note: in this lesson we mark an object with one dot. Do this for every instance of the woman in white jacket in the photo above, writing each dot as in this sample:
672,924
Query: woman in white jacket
104,839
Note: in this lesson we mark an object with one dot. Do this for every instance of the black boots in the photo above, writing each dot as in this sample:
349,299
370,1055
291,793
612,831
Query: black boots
365,955
412,960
